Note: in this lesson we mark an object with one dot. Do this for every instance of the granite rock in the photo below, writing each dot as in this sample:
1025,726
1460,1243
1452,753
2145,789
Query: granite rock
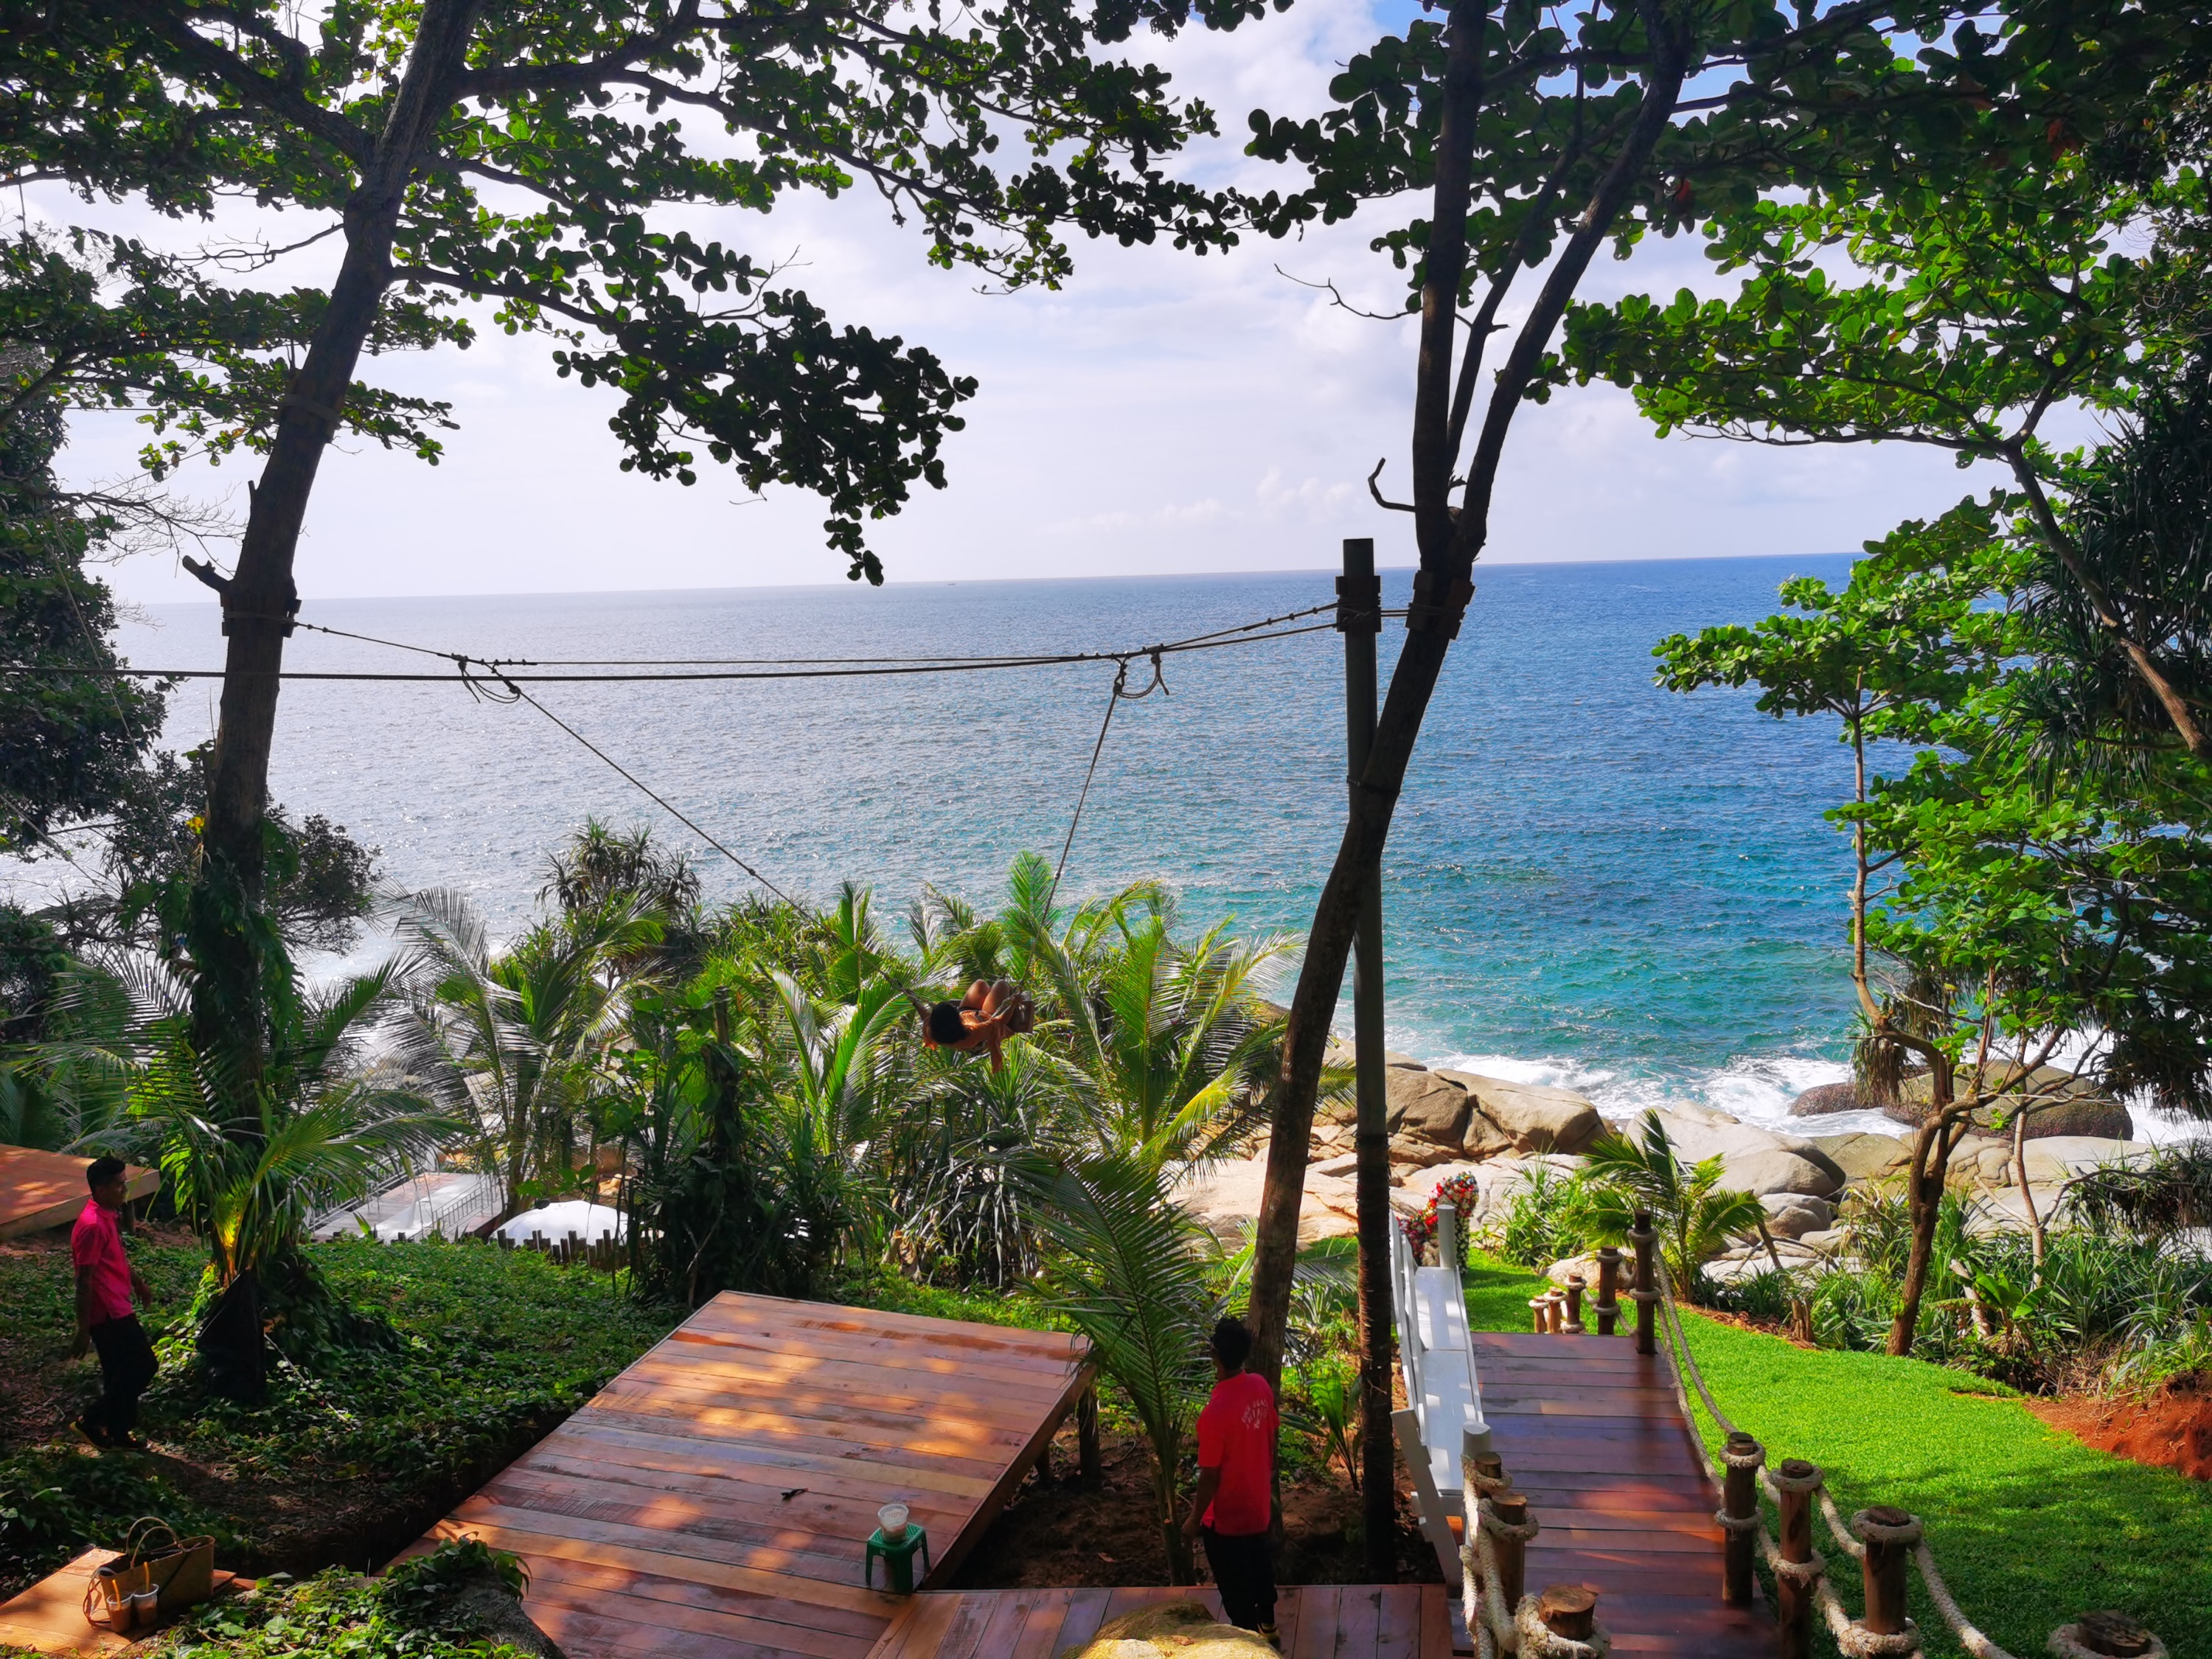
1530,1117
1425,1107
1824,1098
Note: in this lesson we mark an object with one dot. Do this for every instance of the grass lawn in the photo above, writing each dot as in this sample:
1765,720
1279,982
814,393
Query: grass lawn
495,1348
2030,1527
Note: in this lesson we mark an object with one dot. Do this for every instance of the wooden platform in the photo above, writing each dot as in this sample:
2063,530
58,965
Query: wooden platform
715,1498
1591,1432
39,1190
1318,1621
49,1616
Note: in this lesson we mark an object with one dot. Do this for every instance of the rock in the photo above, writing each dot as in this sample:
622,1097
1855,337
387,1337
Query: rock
1409,1152
1777,1170
1826,1242
1427,1108
1171,1629
1559,1271
1792,1215
1398,1063
1824,1098
1225,1199
1345,1164
1754,1160
1981,1161
2059,1159
1864,1157
1529,1116
2068,1104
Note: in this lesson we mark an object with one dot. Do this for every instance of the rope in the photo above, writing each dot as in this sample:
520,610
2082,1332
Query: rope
1113,701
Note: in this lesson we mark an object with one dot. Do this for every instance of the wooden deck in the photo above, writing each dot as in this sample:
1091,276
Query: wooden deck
39,1190
1318,1621
714,1500
1591,1432
49,1616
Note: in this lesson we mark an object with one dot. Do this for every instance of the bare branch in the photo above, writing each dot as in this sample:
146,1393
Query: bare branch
1375,490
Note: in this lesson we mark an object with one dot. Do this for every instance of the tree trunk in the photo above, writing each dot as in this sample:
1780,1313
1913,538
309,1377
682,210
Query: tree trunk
1931,1160
260,598
1449,544
2036,1237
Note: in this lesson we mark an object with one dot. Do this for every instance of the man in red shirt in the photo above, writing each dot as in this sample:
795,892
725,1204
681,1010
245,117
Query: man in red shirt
1235,1500
105,1282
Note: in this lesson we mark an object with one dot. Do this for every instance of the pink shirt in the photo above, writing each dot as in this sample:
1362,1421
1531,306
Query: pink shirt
96,1243
1236,1435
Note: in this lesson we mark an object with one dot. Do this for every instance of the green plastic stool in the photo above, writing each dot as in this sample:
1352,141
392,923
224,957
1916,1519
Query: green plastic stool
897,1555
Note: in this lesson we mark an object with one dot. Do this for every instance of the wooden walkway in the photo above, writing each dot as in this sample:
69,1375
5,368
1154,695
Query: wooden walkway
1590,1432
1318,1621
714,1500
39,1190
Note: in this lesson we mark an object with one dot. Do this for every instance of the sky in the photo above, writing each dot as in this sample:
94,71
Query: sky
1161,413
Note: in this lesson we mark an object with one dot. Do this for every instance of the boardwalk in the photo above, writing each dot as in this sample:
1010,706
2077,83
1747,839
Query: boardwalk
46,1189
1319,1621
1590,1432
714,1500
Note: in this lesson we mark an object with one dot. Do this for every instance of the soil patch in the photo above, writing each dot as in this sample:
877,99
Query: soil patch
1057,1531
2170,1428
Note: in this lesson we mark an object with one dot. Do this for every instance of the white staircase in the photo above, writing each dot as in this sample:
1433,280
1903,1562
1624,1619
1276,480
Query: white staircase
1445,1415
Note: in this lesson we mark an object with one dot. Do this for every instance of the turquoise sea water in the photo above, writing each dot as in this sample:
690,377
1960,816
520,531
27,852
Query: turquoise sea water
1590,880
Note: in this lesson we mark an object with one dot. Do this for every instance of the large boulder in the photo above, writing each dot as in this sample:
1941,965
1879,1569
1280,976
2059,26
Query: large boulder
1425,1107
1410,1153
2057,1158
1824,1098
1792,1215
1754,1160
2059,1102
1530,1117
1171,1629
1865,1158
1225,1199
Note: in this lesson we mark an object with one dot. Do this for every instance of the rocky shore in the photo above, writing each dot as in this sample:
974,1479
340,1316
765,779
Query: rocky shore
1445,1123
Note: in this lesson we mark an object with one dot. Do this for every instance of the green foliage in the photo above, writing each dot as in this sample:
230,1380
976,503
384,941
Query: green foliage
1694,1213
399,1616
1326,1409
1542,1219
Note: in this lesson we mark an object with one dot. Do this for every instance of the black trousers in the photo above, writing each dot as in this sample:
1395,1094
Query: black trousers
126,1366
1243,1567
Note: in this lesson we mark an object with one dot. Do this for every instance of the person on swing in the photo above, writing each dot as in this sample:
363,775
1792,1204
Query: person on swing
984,1018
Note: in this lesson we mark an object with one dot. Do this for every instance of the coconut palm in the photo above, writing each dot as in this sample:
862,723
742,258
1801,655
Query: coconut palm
515,1042
1692,1212
1131,1272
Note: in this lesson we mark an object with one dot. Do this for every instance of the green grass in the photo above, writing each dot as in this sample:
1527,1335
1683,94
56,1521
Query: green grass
2030,1527
1497,1293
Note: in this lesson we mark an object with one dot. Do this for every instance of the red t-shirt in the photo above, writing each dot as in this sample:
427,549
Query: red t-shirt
1236,1435
96,1243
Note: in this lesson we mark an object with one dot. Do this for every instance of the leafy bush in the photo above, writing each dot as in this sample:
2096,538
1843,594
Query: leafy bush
1541,1221
417,1611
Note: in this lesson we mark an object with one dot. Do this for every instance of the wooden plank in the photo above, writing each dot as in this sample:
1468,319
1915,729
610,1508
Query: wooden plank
39,1190
1086,1611
1318,1606
1358,1622
957,1551
973,1396
589,1427
706,1598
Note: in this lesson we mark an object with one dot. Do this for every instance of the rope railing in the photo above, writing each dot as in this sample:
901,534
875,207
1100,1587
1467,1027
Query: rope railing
1886,1542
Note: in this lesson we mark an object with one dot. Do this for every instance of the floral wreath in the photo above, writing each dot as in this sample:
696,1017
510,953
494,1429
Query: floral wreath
1462,1192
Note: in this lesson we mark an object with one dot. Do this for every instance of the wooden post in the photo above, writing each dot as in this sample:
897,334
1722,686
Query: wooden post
1574,1322
1793,1597
1888,1564
1512,1552
2113,1633
1539,1313
1087,1462
1647,1284
1555,1317
1740,1495
1360,619
1608,1290
1569,1610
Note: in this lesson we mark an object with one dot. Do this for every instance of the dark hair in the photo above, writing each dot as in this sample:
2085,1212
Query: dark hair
1232,1343
101,1171
946,1025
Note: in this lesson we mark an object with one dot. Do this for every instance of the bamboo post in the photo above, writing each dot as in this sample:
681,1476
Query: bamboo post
1647,1284
1512,1553
1573,1326
1088,1464
1569,1610
1793,1596
1608,1290
1739,1496
1889,1535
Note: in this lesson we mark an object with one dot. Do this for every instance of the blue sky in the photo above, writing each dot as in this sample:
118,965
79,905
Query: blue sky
1161,413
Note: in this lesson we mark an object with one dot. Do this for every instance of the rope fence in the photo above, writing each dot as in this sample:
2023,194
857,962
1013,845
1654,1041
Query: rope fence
1504,1618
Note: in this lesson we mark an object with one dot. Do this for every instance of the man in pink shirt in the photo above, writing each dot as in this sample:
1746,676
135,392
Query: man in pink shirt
1235,1502
105,1282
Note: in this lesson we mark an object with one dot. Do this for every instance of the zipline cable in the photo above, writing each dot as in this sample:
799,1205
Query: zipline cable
1114,698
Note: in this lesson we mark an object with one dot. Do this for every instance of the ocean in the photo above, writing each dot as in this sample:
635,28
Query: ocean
1591,882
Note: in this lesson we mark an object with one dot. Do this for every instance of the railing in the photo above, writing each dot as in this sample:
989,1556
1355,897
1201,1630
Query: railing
603,1253
1443,1392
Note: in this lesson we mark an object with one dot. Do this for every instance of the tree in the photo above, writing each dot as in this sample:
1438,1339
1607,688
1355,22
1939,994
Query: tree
1533,144
1694,1214
515,156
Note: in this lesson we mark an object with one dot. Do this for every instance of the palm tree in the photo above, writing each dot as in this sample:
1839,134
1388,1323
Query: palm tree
1131,1272
516,1042
247,1159
1695,1215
